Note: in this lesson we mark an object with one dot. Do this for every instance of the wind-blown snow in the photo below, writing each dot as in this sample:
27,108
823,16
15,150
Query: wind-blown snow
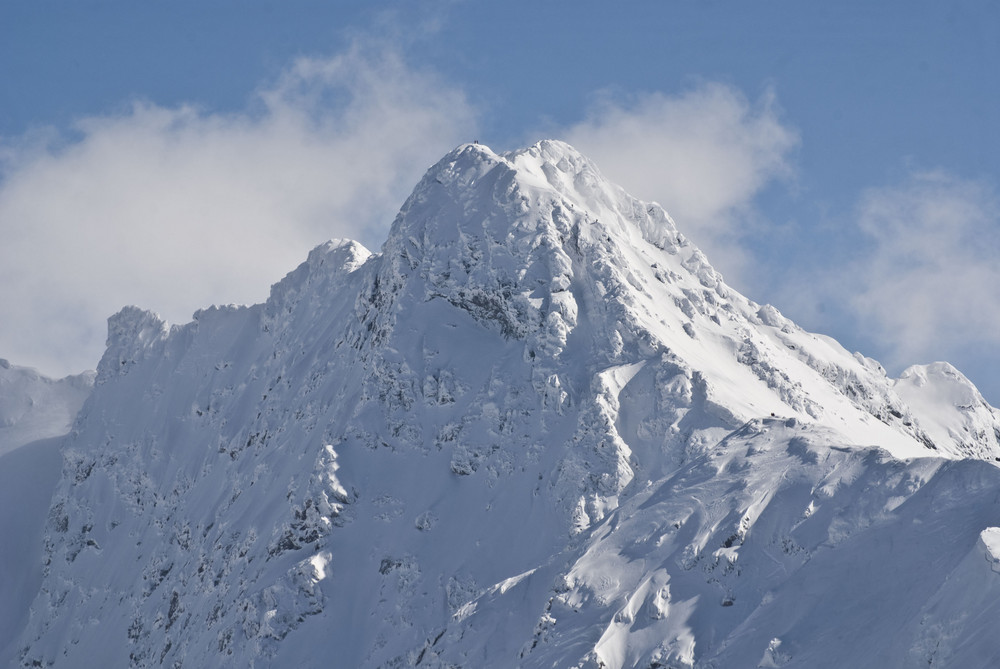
537,429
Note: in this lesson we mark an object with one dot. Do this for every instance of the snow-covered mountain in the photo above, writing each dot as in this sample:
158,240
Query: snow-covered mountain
33,406
536,430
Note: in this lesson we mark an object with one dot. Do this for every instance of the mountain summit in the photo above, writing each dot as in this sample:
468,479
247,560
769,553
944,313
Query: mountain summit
537,430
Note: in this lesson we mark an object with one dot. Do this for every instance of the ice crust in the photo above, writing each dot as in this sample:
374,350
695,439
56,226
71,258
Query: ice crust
537,429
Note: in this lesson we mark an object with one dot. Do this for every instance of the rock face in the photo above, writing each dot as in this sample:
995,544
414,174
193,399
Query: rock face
536,430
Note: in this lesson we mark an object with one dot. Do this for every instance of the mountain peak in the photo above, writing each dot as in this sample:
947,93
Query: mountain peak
549,169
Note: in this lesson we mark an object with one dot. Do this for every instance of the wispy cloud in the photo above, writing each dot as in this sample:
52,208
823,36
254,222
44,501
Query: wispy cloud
177,208
704,154
928,285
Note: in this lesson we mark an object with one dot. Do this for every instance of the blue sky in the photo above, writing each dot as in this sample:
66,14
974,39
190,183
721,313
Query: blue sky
840,161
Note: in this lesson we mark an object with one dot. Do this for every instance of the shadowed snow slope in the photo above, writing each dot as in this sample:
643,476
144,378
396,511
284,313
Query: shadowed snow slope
536,430
33,410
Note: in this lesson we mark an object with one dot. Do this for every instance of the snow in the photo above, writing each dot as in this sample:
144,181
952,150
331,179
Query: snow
27,478
537,429
34,411
991,542
33,406
950,408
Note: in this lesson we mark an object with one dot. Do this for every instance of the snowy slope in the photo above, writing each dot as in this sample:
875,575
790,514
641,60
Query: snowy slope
27,478
34,410
33,406
951,409
536,430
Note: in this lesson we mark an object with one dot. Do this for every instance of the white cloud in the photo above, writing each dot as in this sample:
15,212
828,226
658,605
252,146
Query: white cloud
174,209
704,155
928,288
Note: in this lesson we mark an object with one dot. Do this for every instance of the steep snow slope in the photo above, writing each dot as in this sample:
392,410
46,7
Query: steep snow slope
27,478
33,410
536,430
33,406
